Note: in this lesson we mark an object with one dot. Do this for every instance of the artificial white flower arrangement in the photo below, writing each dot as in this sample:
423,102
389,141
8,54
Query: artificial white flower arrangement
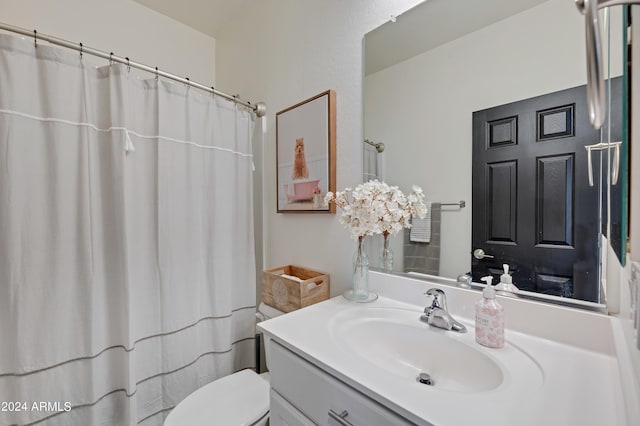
377,208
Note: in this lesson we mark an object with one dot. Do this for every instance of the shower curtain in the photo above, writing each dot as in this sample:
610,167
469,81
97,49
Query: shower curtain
127,266
372,163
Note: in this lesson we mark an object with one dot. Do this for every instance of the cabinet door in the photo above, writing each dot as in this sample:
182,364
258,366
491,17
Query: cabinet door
313,392
284,414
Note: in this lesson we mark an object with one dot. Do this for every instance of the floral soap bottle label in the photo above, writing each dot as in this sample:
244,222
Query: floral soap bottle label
489,323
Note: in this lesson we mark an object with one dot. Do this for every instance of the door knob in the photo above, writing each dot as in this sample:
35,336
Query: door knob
480,254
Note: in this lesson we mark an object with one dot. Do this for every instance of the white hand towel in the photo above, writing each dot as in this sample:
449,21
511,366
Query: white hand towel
421,228
291,277
310,285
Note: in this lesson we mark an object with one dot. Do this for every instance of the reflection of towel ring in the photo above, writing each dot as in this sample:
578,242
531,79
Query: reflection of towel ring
602,146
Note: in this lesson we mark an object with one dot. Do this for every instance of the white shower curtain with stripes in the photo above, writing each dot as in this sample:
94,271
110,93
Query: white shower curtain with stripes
127,265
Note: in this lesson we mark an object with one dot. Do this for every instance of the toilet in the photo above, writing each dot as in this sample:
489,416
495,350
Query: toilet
239,399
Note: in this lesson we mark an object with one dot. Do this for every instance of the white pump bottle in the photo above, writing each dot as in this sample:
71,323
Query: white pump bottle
506,283
489,318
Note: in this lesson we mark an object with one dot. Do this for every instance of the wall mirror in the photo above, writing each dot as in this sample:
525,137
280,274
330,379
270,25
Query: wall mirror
485,102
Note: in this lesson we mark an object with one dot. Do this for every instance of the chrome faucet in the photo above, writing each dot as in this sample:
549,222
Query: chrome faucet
438,315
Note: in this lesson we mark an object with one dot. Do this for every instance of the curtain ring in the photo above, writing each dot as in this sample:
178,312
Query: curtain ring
128,66
35,38
188,83
110,58
213,92
156,73
81,47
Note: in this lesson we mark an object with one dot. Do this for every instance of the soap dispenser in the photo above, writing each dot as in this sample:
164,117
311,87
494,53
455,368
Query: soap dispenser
489,318
506,283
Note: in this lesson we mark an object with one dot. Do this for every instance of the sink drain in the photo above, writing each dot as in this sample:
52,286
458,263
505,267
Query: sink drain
425,379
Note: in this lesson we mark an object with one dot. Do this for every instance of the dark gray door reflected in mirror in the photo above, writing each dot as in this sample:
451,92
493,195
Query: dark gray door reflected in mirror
533,206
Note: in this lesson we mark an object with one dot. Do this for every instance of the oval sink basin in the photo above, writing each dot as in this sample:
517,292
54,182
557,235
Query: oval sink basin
396,341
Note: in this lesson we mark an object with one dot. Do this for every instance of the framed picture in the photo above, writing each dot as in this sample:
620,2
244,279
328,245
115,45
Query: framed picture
306,155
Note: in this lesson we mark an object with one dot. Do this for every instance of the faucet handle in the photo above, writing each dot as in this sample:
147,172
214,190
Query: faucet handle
439,298
464,280
438,315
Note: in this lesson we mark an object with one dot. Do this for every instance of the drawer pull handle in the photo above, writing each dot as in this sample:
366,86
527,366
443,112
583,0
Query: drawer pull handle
340,418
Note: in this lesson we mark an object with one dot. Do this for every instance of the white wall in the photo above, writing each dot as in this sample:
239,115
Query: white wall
123,27
285,51
422,108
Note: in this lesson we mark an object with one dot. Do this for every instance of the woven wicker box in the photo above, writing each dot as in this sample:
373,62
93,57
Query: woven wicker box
288,295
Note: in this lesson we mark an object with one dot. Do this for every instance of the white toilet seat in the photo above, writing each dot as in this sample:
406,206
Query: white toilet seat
240,399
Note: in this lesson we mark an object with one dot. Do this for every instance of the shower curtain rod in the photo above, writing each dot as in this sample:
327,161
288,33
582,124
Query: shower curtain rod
379,146
259,108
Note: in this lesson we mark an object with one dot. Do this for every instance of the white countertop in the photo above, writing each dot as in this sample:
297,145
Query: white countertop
578,386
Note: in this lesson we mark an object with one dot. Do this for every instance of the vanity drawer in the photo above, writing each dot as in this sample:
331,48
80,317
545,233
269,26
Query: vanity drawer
314,392
281,413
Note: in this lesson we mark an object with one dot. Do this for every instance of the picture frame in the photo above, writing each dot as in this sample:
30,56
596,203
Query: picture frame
306,155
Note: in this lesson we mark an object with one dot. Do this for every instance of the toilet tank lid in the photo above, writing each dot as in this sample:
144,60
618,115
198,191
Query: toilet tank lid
268,311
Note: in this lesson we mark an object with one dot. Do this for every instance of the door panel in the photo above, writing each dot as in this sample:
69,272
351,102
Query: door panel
501,200
554,201
533,207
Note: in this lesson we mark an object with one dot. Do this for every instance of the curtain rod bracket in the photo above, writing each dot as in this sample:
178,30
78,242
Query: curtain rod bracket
379,146
260,109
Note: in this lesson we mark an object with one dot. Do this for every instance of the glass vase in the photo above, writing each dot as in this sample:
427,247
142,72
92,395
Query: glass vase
360,277
386,262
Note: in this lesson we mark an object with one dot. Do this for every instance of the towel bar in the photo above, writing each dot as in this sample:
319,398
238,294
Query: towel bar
462,204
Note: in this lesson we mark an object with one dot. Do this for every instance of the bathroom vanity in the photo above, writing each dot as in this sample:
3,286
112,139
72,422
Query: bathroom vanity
343,363
305,394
